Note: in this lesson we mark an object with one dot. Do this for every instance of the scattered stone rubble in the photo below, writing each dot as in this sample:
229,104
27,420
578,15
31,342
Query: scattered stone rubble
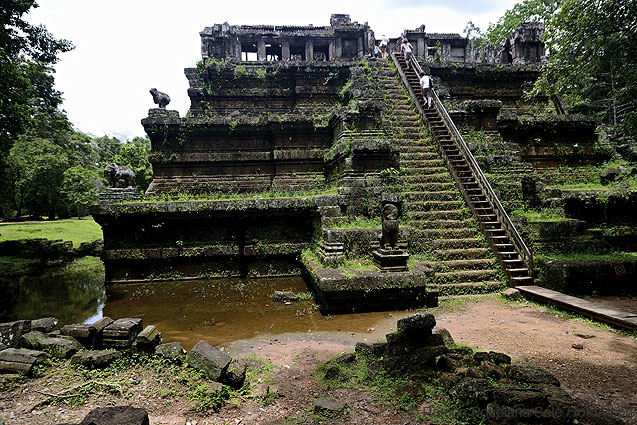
25,344
486,382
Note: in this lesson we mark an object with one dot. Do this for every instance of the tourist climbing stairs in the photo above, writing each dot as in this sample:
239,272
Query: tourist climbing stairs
437,206
444,235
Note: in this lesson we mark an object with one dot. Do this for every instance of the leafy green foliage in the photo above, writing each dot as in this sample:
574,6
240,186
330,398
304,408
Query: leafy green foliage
525,11
79,188
591,64
36,170
26,77
135,156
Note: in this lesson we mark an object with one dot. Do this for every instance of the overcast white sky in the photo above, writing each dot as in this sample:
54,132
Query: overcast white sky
125,47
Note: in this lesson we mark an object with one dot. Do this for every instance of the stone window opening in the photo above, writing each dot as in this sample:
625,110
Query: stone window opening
249,52
321,52
273,52
297,52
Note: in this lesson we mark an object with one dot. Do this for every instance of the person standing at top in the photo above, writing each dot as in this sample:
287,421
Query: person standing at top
383,46
407,50
427,85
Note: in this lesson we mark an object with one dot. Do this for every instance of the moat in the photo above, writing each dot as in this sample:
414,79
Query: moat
220,311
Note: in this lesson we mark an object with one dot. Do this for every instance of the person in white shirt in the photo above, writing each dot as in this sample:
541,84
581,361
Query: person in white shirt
383,46
426,84
407,50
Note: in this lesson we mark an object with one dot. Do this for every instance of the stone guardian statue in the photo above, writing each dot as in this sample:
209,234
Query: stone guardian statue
161,99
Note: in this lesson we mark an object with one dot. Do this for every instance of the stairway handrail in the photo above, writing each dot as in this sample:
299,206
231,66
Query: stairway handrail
523,250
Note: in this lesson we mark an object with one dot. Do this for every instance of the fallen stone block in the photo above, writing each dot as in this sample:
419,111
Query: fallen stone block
417,323
147,340
235,374
10,332
519,397
210,360
117,415
95,358
328,405
473,391
57,347
122,328
512,294
493,357
171,350
83,333
46,324
121,333
99,326
531,375
446,336
15,360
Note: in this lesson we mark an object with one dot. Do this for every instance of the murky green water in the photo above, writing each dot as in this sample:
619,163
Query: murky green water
219,311
225,310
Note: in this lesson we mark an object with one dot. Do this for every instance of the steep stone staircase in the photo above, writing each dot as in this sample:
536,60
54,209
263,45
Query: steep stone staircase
444,234
444,218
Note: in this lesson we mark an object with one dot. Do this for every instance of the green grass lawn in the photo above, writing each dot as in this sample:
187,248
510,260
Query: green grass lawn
72,229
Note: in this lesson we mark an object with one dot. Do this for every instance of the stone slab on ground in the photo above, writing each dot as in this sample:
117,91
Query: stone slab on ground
171,350
210,360
235,374
121,333
512,294
531,375
15,360
58,347
147,340
95,358
82,331
117,415
328,405
45,324
596,311
102,323
10,332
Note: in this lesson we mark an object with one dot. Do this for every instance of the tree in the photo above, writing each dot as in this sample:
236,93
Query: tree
107,148
593,46
37,169
27,53
526,11
79,187
134,155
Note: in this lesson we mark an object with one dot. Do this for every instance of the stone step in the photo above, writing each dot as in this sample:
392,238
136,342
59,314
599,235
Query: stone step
437,234
436,186
422,163
428,178
414,172
443,195
418,156
416,147
462,253
440,224
463,243
444,214
415,209
467,264
466,288
460,276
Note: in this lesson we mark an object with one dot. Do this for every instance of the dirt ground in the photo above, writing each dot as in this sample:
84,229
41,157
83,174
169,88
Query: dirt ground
593,364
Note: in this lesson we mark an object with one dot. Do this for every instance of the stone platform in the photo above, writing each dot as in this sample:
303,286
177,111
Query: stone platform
205,239
346,290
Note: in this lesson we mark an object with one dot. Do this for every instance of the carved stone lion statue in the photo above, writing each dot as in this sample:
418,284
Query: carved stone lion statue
117,173
161,99
389,237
